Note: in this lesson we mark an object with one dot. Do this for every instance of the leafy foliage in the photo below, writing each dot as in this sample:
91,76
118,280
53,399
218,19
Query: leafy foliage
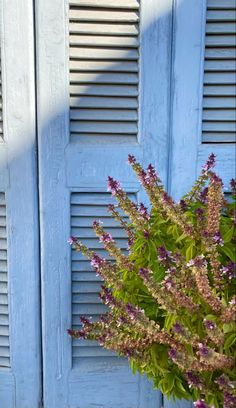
172,298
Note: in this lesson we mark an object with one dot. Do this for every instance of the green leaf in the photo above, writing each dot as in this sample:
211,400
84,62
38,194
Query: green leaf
227,237
230,341
189,252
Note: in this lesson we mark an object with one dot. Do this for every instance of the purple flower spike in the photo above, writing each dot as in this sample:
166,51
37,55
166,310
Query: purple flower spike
72,240
84,320
113,186
96,224
203,195
163,254
96,261
200,404
210,163
131,159
193,380
144,212
152,173
183,205
106,238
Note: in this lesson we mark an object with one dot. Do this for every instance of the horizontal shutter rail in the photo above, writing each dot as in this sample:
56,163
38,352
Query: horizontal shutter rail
104,69
4,313
219,84
85,207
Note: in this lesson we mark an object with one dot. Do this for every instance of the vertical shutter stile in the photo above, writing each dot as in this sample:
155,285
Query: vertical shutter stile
104,54
4,316
219,110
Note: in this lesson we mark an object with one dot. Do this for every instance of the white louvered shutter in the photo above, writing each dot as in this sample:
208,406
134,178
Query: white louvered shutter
219,103
104,65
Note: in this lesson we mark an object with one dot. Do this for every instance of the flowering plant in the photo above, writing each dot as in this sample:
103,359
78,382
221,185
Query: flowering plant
172,299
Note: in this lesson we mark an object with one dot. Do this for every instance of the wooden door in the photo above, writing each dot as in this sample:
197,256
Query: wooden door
20,360
103,78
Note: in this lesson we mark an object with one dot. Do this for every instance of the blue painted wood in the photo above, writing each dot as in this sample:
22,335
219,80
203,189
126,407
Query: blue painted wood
20,384
169,403
188,152
75,165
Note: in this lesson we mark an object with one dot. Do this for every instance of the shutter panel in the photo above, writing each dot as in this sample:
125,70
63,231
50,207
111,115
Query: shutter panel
104,65
219,88
4,317
85,207
1,124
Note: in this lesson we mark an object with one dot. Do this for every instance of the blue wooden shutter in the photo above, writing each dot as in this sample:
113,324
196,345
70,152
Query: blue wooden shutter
203,80
98,101
219,81
20,364
4,312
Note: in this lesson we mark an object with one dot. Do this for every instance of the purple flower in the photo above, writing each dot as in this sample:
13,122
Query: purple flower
216,180
168,283
132,311
183,205
178,328
199,213
72,240
113,186
233,301
166,198
107,297
209,325
193,380
218,240
96,224
233,185
152,173
229,270
229,400
222,381
210,163
84,320
131,159
111,207
200,261
203,350
200,404
96,261
144,273
144,212
146,234
163,254
106,238
172,353
203,195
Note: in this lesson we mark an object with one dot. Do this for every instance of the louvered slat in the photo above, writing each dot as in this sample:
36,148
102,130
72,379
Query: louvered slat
4,316
85,207
219,106
104,69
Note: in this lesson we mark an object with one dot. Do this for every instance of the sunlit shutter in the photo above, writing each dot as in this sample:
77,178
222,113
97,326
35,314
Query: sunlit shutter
85,207
4,318
1,123
219,113
104,69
